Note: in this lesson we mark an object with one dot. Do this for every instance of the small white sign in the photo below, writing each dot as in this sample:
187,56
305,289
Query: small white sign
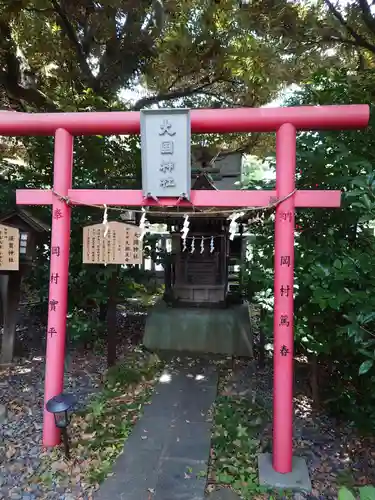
166,160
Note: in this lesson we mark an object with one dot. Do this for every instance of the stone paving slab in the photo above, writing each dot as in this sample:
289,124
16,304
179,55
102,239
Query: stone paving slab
180,480
134,476
189,441
166,455
196,409
150,434
223,494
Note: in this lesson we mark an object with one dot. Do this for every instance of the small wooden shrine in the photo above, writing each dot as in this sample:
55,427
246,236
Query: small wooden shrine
199,312
198,265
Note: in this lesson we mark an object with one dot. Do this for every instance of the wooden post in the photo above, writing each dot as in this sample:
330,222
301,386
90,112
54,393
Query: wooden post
112,318
10,289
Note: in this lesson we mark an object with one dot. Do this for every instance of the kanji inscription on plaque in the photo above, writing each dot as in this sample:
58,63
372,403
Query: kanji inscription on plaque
9,248
166,162
120,244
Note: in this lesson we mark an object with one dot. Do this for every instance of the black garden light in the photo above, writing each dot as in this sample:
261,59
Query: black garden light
61,406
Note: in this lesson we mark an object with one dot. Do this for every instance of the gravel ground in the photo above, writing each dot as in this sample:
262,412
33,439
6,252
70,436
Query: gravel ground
21,392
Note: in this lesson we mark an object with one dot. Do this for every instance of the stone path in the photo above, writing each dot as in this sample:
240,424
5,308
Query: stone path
224,494
166,455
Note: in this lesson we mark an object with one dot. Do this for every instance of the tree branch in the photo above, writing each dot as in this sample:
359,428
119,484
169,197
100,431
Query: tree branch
130,48
367,16
361,42
169,96
39,11
220,98
11,76
69,30
225,100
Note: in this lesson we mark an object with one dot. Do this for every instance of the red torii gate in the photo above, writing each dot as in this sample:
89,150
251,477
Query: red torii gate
285,121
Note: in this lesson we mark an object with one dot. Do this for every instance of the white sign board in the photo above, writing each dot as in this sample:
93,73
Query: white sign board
116,243
9,248
166,160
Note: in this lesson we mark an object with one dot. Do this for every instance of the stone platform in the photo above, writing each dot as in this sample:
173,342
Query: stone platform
200,330
297,480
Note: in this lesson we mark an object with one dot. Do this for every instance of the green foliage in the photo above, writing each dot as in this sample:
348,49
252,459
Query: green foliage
101,162
365,493
83,328
236,445
122,374
52,53
345,494
334,265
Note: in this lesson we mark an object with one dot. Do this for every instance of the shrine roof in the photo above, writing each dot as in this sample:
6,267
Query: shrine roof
29,219
204,181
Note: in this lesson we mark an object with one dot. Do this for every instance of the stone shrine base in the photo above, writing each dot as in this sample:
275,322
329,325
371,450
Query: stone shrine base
298,479
187,329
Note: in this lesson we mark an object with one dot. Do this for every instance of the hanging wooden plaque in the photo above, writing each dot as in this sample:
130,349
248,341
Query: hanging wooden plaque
9,248
133,245
120,245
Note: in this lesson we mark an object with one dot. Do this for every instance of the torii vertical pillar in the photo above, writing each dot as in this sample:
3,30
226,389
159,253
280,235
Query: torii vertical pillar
283,296
58,286
282,469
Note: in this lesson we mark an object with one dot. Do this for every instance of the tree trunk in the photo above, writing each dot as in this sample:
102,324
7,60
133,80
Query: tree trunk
112,318
168,276
10,289
262,348
314,372
315,381
103,309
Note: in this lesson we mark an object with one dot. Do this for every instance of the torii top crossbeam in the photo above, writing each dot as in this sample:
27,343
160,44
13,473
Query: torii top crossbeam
203,121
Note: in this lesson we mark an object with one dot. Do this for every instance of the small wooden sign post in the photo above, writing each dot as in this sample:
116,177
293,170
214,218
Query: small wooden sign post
112,243
9,248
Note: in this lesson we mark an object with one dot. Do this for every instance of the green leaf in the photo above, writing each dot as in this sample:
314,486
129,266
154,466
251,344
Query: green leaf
345,494
365,366
337,264
367,493
366,218
360,182
225,478
368,318
354,193
367,201
358,204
